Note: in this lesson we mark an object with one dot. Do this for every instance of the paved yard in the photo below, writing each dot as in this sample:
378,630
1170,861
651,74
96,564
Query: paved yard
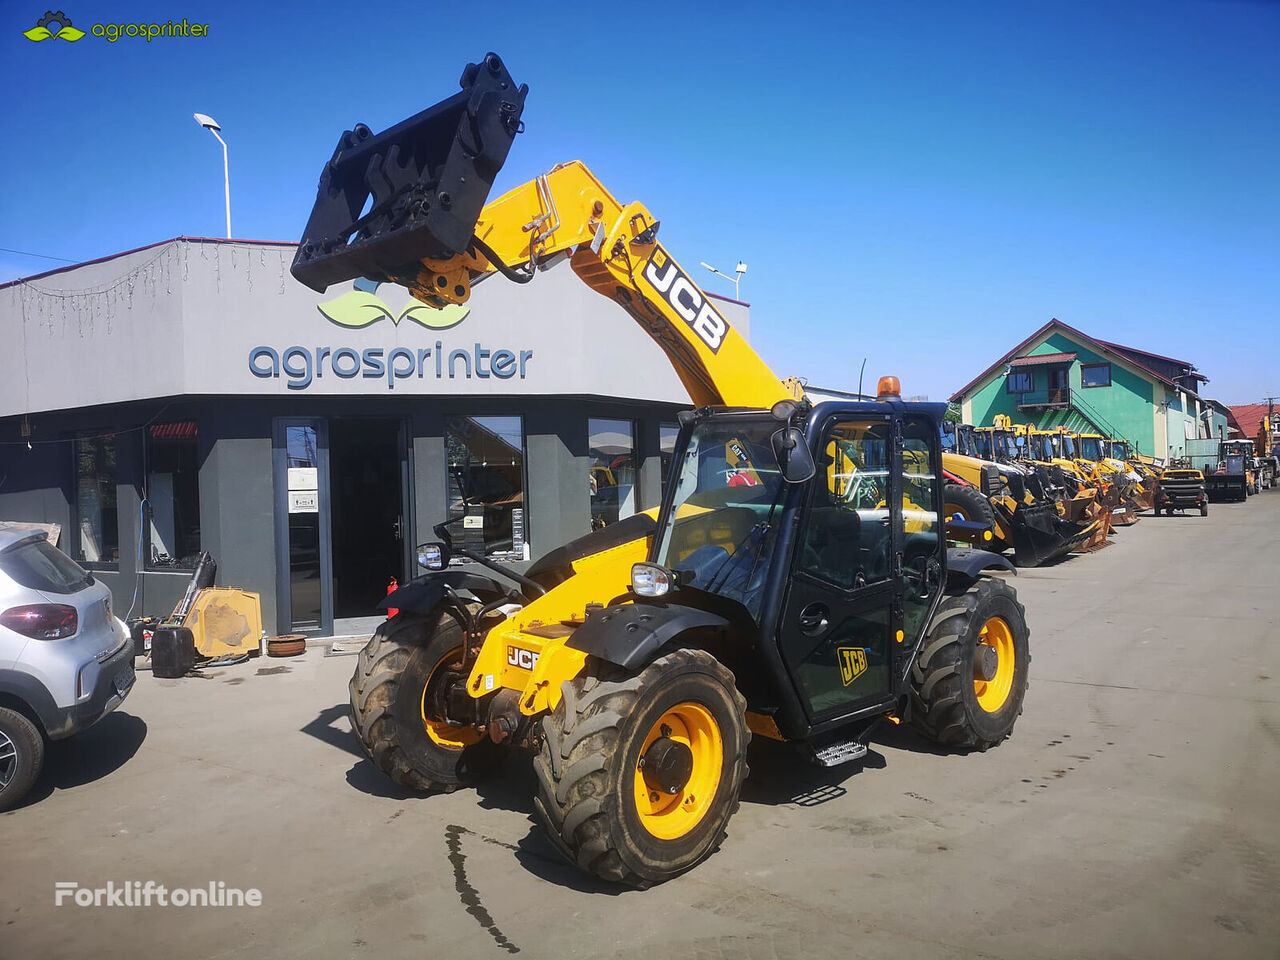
1133,814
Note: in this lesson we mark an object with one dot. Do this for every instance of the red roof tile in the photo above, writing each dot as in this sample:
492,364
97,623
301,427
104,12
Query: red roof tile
1250,417
1042,358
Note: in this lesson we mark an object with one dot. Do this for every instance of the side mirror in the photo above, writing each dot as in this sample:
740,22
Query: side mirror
793,455
433,556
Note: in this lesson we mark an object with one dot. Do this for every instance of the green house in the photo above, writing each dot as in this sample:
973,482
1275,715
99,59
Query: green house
1060,376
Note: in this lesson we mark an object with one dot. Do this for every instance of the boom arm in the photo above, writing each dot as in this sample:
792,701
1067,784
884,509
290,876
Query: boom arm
612,246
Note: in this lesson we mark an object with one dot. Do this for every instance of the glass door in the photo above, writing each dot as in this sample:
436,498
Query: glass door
303,575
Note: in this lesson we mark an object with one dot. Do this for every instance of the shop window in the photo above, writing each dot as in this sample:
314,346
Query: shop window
96,536
667,433
1020,381
613,470
173,496
1095,375
486,485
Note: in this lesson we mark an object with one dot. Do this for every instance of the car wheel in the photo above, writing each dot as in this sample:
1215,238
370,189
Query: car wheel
21,757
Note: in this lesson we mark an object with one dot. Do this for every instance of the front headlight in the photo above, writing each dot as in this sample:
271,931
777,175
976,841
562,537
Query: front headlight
651,580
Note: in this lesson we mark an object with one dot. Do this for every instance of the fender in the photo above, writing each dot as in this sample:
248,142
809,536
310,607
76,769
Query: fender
27,695
425,593
631,634
969,563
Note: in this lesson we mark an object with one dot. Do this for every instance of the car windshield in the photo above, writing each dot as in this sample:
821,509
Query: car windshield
37,565
723,517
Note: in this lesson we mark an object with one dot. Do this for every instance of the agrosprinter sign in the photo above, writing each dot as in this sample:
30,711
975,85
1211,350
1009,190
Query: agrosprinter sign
302,366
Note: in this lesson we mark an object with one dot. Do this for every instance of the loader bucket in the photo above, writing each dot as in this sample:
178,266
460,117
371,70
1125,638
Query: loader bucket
1040,535
388,200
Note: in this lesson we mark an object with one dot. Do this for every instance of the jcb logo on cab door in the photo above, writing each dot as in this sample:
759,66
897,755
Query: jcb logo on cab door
686,299
519,657
853,663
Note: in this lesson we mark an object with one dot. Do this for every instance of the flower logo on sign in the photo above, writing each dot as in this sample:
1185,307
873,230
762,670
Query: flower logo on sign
359,308
65,30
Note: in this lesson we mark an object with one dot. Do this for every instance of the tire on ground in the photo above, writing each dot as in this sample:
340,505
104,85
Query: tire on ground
23,758
387,691
589,763
944,681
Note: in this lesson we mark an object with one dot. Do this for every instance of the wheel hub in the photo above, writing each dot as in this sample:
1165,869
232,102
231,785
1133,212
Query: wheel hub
986,663
667,765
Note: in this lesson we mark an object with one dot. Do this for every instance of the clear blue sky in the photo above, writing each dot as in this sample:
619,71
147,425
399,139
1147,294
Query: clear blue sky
922,184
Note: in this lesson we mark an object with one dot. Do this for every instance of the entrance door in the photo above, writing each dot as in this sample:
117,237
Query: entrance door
1058,385
844,604
367,483
304,602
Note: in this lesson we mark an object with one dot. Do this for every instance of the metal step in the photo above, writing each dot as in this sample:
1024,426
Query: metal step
834,754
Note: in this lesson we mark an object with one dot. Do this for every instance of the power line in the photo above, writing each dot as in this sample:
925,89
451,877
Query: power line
42,256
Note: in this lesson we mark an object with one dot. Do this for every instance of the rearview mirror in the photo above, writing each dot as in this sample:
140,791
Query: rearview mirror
792,455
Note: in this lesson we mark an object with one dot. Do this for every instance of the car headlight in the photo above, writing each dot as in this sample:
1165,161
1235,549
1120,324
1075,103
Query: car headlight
651,580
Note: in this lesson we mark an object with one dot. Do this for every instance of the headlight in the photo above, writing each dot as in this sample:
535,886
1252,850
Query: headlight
433,556
651,580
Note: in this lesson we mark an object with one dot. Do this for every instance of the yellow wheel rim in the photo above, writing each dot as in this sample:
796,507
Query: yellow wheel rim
453,738
671,815
993,693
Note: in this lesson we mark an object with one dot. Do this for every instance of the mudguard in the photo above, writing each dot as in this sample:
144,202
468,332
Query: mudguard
425,593
630,635
967,562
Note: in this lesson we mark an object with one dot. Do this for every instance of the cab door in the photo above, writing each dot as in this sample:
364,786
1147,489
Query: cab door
844,604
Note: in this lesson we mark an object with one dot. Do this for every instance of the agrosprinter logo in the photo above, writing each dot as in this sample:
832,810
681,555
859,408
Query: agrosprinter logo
359,308
42,31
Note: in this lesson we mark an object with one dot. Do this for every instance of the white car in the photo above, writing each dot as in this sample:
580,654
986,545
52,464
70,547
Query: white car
65,660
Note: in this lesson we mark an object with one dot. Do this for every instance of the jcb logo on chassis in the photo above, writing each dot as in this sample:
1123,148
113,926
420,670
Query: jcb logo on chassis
519,657
686,299
853,663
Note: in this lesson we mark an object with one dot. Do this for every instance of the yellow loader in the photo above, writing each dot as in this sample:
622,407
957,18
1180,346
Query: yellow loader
637,662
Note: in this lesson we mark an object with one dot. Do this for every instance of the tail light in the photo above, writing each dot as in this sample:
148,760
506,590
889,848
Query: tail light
42,621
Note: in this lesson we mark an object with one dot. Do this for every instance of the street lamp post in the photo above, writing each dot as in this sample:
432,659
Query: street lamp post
211,125
738,271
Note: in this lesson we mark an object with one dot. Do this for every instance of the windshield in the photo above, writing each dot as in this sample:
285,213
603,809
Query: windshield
723,517
1068,445
1091,448
982,445
1004,442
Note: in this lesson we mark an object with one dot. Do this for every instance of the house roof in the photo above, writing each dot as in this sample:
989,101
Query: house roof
1042,358
1249,417
1102,347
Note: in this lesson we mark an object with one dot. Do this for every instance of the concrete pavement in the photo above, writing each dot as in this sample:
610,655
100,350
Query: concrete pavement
1132,814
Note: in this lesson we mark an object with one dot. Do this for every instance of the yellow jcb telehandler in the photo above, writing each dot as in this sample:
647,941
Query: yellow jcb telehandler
637,661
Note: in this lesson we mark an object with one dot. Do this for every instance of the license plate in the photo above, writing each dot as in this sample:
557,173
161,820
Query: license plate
124,680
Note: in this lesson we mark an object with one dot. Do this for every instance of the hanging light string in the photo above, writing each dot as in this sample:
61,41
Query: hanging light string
28,442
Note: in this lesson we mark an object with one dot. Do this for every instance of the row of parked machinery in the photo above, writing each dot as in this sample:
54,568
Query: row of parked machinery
1045,493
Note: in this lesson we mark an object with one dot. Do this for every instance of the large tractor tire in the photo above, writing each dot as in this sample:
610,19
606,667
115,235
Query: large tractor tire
970,679
394,707
968,503
638,775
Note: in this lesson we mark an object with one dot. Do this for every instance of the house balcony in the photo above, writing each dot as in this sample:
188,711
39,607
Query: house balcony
1050,398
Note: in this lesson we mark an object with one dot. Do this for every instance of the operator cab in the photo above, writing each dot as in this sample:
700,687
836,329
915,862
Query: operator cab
835,575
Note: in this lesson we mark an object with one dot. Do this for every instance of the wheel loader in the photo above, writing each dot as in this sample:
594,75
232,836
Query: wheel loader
807,603
1017,500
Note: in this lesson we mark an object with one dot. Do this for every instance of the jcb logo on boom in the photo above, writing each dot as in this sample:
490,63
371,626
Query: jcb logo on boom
686,299
519,657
